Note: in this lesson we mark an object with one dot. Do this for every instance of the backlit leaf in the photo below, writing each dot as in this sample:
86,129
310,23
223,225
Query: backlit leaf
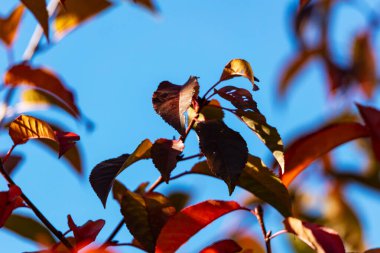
266,133
211,111
171,101
76,12
226,151
239,67
308,148
38,8
185,224
104,173
240,98
164,155
9,200
321,239
9,26
260,181
44,80
86,233
30,229
224,246
144,215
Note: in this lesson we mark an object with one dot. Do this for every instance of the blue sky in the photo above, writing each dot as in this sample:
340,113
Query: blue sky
116,61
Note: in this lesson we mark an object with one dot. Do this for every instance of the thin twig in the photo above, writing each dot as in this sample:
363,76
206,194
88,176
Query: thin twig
277,234
190,157
259,213
36,211
209,90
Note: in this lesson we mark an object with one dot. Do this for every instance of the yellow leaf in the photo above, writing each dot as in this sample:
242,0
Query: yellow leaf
239,67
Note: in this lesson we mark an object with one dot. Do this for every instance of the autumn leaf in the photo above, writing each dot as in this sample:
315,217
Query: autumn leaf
308,148
147,4
321,239
211,111
30,229
377,250
224,246
257,179
9,26
11,163
9,200
171,101
144,214
186,223
25,128
76,12
42,79
164,155
239,67
38,8
226,150
103,174
86,233
240,98
179,199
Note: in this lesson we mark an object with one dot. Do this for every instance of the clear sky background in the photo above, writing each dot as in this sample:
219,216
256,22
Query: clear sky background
116,61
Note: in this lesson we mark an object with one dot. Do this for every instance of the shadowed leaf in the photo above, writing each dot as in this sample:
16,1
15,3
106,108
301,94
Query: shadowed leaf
38,8
266,133
240,98
179,199
86,233
226,151
104,173
260,181
224,246
29,228
43,80
9,200
193,218
147,4
377,250
171,101
239,67
10,24
11,163
76,12
211,111
164,155
308,148
321,239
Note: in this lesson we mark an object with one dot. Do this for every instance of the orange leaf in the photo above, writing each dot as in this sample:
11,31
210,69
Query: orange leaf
224,246
239,67
182,226
42,79
310,147
9,200
9,26
38,8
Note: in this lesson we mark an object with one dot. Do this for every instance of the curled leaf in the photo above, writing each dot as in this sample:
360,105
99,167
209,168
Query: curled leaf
10,24
239,67
171,101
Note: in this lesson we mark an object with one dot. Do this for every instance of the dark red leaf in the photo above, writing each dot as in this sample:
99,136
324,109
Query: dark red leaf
224,246
240,98
226,151
66,141
38,8
171,101
11,163
9,200
86,233
321,239
164,155
312,146
182,226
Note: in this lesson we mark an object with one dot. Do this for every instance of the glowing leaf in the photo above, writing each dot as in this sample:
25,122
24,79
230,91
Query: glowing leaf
86,233
9,26
239,67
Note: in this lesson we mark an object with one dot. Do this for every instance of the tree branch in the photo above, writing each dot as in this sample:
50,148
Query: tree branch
259,213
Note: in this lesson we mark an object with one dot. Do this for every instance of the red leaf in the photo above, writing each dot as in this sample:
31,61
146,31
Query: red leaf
182,226
164,155
310,147
87,233
42,79
240,98
66,141
224,246
321,239
9,200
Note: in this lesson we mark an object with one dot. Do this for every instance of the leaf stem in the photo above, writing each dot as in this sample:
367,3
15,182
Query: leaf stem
211,88
259,213
36,211
277,234
191,157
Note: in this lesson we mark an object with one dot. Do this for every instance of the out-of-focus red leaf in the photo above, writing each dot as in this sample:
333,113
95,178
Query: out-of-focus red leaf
308,148
224,246
38,8
377,250
239,67
226,150
303,3
75,12
147,4
9,200
321,239
171,101
9,26
43,79
11,163
164,155
24,128
86,233
371,117
182,226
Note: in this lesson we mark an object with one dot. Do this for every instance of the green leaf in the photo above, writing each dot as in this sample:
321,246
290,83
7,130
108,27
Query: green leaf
260,181
29,228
